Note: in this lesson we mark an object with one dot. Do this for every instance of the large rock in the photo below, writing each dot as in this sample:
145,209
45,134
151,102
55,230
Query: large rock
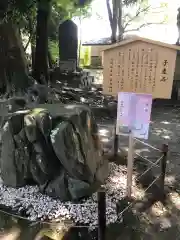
56,147
44,163
15,156
82,138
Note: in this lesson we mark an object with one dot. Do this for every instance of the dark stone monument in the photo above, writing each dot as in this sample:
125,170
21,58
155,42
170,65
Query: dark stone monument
68,42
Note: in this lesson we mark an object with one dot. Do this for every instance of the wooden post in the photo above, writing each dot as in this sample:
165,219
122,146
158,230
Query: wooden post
130,162
163,167
101,214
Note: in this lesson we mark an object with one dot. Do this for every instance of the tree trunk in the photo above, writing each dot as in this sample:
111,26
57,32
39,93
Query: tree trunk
115,18
40,71
120,20
13,66
112,14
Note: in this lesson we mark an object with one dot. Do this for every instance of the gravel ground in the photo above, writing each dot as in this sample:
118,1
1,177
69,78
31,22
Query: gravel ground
37,206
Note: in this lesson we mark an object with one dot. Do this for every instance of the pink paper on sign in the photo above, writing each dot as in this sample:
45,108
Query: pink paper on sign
134,111
143,108
142,113
124,115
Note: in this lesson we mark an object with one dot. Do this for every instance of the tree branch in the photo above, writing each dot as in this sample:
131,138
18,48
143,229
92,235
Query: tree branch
138,12
143,25
120,21
109,13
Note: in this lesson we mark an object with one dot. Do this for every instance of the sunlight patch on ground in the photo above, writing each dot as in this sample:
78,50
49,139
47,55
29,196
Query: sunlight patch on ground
138,193
166,137
142,150
103,132
117,182
170,180
157,131
165,122
13,234
105,140
167,131
158,210
56,232
175,199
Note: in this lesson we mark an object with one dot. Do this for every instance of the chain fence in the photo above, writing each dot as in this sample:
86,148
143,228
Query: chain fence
159,179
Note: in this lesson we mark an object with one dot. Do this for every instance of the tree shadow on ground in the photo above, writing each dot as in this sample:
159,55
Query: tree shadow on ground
156,215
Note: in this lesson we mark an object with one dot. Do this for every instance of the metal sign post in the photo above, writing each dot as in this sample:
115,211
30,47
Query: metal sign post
130,162
133,118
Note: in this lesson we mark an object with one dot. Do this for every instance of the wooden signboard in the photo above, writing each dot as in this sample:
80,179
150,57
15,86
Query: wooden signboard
139,65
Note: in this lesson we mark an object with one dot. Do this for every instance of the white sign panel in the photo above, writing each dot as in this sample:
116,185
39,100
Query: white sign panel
133,114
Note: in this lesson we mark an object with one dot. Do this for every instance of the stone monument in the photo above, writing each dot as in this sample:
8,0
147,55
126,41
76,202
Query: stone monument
68,44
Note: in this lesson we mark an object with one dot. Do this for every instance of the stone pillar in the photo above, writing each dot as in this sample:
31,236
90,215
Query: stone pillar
68,41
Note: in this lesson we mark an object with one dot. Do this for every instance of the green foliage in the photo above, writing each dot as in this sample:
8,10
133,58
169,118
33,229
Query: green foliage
16,9
58,14
23,13
85,56
73,8
164,7
54,49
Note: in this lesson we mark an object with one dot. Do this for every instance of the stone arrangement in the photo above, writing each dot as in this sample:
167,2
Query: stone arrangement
56,147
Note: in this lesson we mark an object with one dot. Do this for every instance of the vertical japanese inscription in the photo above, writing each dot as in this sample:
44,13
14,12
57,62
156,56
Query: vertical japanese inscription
152,69
111,75
132,70
121,72
137,79
141,72
122,78
145,66
121,108
150,66
129,66
164,71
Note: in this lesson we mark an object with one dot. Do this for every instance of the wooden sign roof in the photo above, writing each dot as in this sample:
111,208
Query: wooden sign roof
135,39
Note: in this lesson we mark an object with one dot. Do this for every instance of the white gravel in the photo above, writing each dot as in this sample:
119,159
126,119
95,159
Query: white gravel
41,207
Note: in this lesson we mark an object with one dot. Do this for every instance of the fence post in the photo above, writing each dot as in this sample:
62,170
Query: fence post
115,145
163,168
116,138
101,214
